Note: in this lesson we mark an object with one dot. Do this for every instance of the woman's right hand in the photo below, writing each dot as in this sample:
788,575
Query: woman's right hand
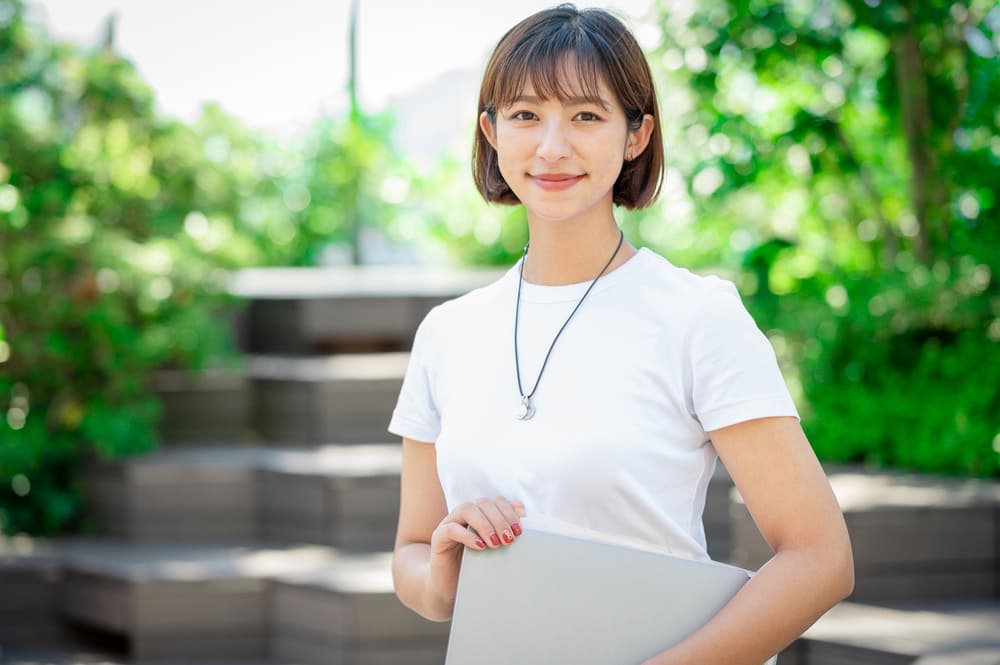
480,524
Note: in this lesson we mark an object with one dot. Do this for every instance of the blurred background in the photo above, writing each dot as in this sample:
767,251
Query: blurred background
838,159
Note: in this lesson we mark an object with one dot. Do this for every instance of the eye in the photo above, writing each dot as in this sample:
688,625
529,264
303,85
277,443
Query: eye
522,115
588,116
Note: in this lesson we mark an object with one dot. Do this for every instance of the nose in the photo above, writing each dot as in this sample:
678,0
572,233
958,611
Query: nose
553,144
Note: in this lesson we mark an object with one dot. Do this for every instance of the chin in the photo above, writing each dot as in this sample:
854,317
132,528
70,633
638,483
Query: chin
557,213
553,215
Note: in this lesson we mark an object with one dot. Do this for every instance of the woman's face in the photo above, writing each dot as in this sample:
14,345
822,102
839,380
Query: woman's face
562,158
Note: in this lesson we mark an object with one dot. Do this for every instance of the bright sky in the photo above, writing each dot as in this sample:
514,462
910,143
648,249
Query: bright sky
276,65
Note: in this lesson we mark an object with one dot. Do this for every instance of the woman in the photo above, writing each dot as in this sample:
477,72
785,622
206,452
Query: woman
627,376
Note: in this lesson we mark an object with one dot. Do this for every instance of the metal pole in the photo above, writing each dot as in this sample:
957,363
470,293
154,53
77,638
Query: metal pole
355,121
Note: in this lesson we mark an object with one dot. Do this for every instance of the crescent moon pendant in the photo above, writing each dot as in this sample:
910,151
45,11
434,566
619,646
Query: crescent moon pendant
527,409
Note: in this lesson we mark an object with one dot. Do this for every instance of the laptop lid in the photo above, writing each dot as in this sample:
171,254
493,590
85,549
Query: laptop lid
555,596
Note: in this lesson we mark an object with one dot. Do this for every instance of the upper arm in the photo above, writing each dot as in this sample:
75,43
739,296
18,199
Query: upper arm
782,483
422,504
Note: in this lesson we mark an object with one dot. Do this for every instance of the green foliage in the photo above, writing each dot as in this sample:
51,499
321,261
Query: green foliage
843,157
98,283
337,187
117,230
456,216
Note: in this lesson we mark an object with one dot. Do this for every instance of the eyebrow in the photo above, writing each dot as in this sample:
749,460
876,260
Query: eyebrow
572,101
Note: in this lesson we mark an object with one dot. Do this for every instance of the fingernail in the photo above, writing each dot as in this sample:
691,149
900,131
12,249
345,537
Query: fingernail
480,543
508,537
517,528
495,539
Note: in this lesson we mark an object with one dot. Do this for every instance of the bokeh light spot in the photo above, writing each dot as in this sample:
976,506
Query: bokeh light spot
20,484
16,417
394,190
8,198
836,296
196,224
707,181
968,205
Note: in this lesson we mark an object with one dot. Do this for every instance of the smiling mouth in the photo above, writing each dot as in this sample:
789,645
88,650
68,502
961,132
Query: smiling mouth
556,181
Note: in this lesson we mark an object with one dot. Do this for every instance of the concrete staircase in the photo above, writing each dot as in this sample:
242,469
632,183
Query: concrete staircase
927,570
262,532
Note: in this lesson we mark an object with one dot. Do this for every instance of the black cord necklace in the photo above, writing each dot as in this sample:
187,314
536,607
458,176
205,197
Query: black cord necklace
527,409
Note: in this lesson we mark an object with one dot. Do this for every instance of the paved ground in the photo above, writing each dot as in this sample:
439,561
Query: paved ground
89,657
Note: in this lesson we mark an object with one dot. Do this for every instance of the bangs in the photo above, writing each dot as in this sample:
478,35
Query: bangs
568,55
563,66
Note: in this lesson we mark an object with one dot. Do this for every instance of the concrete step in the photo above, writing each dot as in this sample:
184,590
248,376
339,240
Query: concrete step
81,656
343,309
339,495
282,399
298,604
328,399
203,407
29,589
310,604
342,615
715,517
915,537
345,496
951,633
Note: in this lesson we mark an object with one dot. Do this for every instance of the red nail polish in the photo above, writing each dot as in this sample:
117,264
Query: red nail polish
517,529
480,543
508,537
495,539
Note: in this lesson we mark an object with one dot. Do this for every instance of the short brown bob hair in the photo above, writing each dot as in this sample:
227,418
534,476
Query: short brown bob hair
540,48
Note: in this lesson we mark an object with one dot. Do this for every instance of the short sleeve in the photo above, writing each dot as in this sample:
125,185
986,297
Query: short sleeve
734,372
415,415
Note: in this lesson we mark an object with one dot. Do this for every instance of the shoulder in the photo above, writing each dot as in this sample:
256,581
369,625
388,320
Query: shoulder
454,313
690,294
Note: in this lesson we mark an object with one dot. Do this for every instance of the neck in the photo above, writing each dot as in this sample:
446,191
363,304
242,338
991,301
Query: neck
565,252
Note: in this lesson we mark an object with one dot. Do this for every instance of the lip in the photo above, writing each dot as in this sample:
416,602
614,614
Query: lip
554,182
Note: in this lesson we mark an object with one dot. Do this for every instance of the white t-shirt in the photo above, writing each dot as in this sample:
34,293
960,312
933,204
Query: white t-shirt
654,359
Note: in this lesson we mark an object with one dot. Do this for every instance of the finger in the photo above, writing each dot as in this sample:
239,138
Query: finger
478,542
509,509
519,508
495,522
453,531
503,517
473,515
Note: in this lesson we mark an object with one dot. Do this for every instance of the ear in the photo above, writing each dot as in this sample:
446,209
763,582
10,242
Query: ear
639,138
488,129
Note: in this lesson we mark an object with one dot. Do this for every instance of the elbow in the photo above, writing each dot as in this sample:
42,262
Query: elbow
831,566
397,586
842,568
402,587
847,578
409,582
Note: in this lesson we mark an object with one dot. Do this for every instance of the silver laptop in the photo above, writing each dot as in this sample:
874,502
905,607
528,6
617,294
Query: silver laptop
552,597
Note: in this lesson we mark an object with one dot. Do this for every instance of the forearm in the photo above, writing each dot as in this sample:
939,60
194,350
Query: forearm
784,598
410,569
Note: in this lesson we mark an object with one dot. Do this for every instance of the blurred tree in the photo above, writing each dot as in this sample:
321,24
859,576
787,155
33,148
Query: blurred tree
343,163
117,228
843,155
104,273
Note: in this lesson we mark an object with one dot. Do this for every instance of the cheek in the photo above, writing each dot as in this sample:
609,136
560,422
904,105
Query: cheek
511,151
511,143
507,169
